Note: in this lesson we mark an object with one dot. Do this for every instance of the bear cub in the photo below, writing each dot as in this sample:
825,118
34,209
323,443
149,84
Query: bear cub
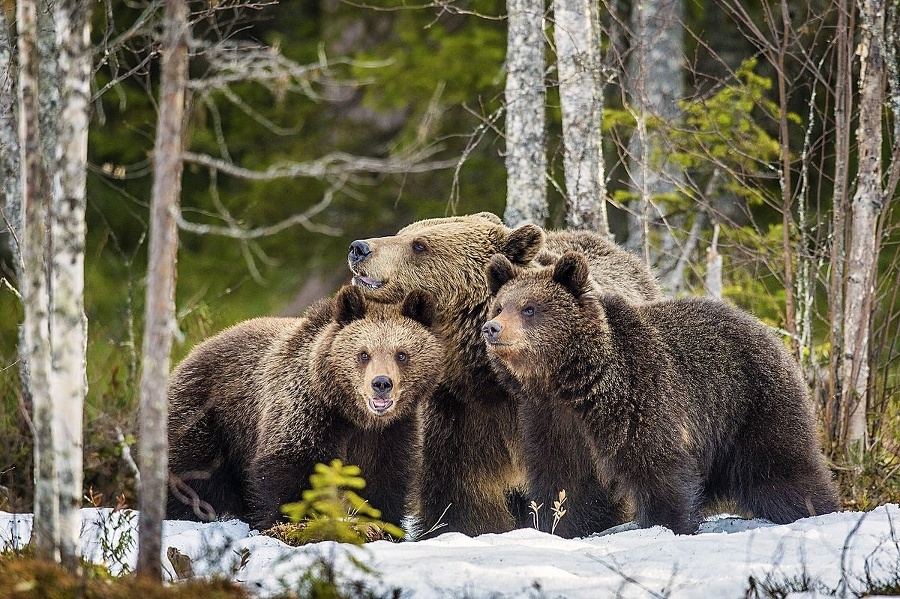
253,409
682,401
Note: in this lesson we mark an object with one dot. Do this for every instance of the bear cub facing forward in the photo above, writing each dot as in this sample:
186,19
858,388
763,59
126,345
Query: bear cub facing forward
253,409
683,401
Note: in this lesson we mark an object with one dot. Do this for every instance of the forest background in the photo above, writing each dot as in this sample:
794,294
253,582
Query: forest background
732,135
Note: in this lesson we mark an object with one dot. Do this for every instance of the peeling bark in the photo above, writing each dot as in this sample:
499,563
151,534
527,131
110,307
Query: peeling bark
865,209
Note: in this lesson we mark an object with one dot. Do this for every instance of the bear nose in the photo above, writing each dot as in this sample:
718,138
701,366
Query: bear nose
382,384
491,330
359,249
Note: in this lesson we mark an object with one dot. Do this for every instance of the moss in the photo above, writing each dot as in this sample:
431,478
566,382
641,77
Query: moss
27,578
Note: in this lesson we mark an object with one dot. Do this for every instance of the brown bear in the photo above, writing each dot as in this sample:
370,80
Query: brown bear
684,401
253,409
473,473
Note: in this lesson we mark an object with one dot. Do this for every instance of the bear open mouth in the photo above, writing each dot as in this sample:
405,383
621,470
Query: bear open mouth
380,405
362,279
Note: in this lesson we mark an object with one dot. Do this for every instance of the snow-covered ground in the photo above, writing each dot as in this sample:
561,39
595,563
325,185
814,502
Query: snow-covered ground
835,549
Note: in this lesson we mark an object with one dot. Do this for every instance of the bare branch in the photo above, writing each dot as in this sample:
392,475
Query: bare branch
330,165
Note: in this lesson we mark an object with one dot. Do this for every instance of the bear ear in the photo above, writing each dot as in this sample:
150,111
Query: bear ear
489,216
420,306
523,244
349,305
571,271
499,271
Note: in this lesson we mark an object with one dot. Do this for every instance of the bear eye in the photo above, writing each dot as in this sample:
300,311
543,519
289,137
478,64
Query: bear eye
418,246
401,356
363,356
497,310
528,311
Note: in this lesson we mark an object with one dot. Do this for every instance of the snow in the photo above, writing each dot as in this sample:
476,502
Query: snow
839,550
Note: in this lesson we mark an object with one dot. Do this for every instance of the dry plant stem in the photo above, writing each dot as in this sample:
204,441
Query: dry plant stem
159,316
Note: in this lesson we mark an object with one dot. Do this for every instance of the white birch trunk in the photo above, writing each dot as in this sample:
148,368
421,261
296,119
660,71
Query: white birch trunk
526,160
11,219
68,326
576,34
35,291
713,280
159,315
862,246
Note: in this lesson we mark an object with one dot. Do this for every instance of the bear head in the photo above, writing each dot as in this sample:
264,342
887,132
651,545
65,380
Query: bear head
380,359
444,256
538,313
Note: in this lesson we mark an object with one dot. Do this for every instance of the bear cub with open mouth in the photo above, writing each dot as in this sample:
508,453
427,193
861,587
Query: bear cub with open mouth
256,407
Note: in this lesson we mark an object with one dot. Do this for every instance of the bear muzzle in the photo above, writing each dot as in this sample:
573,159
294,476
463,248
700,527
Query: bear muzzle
381,402
491,331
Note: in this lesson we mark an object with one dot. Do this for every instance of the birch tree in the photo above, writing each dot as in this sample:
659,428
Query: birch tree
35,197
159,315
526,160
53,95
576,34
9,149
865,209
68,324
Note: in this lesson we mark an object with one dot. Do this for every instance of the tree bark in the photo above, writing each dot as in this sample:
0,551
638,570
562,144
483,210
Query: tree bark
865,209
159,315
576,34
68,324
9,151
655,85
35,286
843,109
526,160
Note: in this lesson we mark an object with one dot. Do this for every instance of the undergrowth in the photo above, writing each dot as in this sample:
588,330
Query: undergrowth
331,510
28,578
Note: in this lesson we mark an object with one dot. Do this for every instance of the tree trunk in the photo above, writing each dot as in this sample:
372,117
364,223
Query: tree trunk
159,315
577,36
526,160
864,213
68,325
9,151
35,289
654,87
843,110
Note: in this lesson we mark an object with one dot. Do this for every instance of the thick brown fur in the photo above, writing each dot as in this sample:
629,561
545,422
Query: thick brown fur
253,409
473,475
684,401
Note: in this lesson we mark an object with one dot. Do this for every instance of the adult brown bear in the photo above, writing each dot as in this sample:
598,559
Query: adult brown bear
683,401
253,409
473,477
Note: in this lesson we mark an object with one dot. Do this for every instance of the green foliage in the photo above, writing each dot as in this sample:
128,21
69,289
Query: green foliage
332,510
721,135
